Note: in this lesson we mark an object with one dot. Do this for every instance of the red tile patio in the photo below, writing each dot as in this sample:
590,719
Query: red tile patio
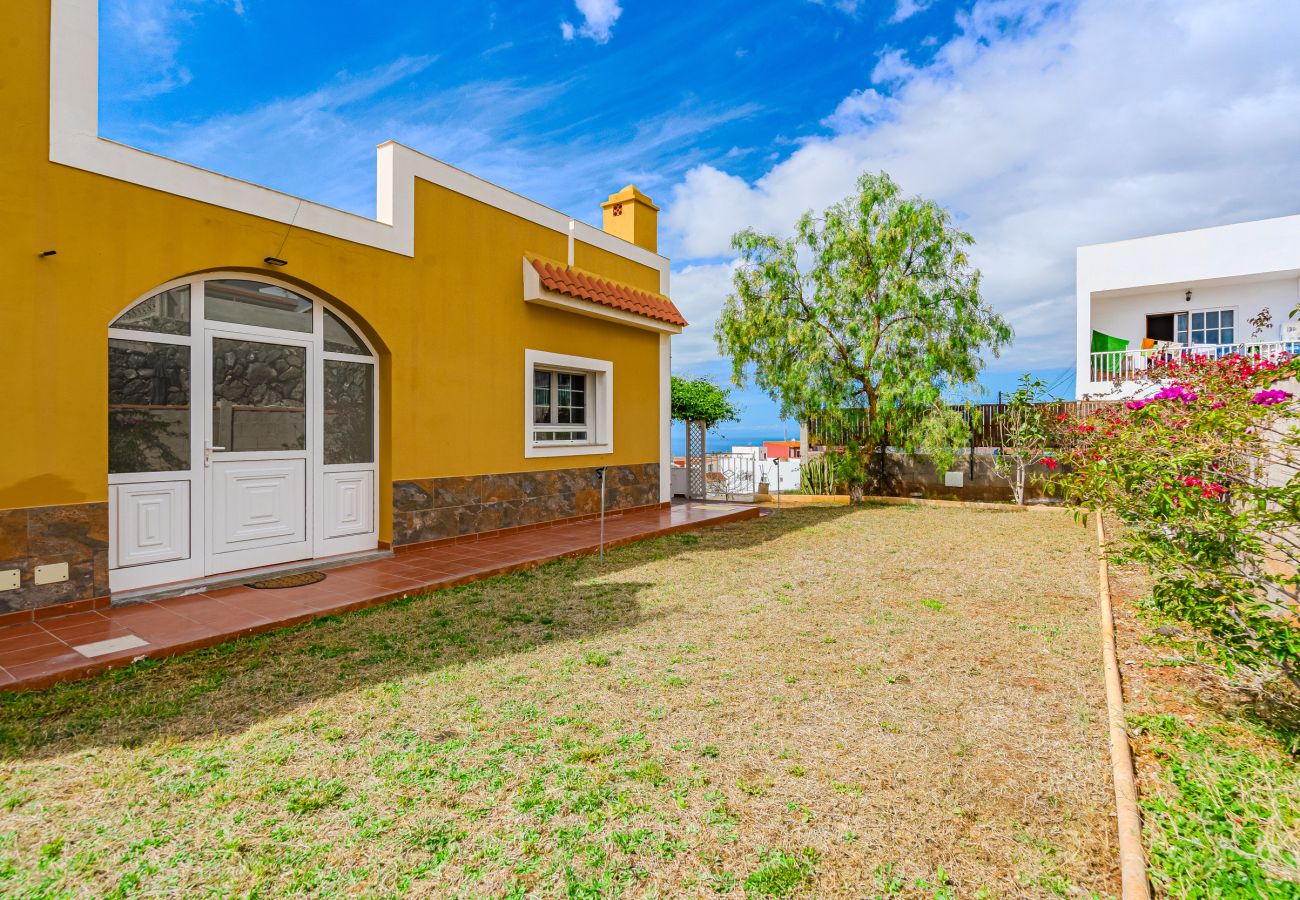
38,654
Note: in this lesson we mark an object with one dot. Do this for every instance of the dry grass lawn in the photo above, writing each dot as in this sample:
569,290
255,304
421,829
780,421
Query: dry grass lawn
885,701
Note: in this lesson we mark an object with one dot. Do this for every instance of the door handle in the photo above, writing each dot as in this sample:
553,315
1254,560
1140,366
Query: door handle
207,454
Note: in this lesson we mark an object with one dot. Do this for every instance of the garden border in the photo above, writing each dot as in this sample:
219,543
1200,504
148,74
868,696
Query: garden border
1132,859
973,504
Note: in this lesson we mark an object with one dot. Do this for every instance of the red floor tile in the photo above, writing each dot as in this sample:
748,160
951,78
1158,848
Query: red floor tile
27,634
91,632
34,655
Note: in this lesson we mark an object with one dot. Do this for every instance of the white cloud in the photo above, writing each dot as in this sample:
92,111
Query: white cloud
848,7
905,9
598,18
856,111
147,30
149,33
698,291
892,68
1044,127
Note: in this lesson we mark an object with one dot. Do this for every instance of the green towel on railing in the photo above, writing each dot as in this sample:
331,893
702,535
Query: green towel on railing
1104,343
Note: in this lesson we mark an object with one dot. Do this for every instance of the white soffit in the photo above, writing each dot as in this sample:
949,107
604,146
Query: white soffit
75,142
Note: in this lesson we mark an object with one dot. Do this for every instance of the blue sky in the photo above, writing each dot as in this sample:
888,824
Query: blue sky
1042,125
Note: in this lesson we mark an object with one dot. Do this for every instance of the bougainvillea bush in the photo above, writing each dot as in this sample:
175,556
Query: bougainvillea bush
1203,475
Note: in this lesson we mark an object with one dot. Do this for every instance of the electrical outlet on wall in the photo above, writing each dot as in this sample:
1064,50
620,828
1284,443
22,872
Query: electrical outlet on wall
10,579
52,573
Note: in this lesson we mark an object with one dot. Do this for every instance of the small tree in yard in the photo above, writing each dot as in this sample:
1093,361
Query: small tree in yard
1204,476
700,400
874,307
1027,437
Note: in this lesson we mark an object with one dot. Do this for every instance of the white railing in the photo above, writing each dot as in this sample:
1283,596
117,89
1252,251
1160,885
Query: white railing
1125,365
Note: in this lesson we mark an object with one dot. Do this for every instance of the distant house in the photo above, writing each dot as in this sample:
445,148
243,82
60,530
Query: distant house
1191,292
782,449
207,375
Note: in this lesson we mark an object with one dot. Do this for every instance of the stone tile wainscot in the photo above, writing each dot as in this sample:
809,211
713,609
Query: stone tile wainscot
76,534
436,509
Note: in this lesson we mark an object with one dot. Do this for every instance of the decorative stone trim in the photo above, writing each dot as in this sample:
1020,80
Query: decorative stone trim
426,510
76,534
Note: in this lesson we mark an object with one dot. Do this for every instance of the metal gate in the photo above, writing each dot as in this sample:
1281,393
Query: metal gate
730,476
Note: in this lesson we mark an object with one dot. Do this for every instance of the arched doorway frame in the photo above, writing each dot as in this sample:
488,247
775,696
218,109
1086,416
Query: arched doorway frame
188,491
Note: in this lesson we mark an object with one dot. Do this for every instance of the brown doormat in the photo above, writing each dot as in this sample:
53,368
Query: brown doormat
287,581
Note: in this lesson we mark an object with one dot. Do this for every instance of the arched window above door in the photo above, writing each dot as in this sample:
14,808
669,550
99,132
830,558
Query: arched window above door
339,338
243,302
167,312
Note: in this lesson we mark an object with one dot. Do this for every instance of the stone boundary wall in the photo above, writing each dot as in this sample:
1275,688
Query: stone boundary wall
434,509
913,475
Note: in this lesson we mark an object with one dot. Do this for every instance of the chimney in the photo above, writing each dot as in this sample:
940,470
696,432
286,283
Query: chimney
632,215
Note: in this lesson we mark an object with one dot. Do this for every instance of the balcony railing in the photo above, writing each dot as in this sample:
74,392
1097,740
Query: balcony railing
1125,365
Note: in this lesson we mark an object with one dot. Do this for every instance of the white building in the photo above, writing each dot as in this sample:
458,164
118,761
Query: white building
1188,292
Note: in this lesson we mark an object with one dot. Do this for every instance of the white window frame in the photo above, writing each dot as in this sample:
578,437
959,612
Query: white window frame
1188,313
600,405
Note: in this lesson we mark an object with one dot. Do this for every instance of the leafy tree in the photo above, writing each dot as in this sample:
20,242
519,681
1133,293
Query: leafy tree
873,307
700,400
1027,436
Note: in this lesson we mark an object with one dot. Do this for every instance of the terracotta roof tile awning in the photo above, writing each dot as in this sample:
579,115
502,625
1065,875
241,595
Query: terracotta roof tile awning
574,282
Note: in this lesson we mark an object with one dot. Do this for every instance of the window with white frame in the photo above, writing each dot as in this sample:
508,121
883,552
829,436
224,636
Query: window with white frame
568,404
1205,326
561,407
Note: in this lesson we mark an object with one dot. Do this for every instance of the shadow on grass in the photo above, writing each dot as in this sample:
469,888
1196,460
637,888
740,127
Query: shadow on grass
233,686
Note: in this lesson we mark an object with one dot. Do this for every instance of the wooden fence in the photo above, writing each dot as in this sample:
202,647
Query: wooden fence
985,420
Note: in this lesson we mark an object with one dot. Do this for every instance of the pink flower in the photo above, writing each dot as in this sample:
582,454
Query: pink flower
1175,392
1271,398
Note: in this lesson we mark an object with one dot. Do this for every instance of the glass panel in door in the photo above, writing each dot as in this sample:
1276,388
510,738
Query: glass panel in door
148,407
259,396
349,402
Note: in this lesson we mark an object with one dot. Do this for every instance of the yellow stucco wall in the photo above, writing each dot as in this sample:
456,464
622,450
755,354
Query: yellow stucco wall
451,320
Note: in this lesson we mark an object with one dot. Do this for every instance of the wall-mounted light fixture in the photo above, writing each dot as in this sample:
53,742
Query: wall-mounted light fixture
45,254
1189,296
275,261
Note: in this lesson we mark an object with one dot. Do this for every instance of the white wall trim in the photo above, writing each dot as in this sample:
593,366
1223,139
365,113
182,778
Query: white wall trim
665,418
75,142
535,293
603,404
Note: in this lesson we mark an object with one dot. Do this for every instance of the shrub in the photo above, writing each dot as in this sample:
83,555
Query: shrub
1203,476
1027,436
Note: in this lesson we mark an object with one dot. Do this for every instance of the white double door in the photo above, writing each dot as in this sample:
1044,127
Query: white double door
242,432
258,453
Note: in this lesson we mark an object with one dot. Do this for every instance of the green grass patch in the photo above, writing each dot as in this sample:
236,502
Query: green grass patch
781,873
1224,820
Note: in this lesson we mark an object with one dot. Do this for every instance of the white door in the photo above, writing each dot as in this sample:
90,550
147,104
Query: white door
258,454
